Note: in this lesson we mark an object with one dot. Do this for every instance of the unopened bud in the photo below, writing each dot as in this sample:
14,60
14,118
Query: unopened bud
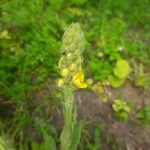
60,82
73,67
64,72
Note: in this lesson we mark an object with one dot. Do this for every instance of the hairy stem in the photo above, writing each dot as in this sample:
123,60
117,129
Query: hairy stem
69,119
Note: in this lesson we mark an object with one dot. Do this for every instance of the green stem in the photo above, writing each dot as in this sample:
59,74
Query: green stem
69,118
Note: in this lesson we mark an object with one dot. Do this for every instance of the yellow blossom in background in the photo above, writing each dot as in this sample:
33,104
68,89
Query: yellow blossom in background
64,72
60,82
78,80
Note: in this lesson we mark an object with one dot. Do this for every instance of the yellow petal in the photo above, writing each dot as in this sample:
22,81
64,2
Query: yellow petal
78,79
79,76
80,84
83,85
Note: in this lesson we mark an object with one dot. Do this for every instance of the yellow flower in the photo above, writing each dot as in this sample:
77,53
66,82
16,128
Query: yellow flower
60,82
64,72
78,80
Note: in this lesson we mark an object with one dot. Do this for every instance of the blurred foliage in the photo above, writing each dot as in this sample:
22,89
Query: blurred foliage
4,144
121,109
122,69
141,78
31,30
144,116
120,72
97,143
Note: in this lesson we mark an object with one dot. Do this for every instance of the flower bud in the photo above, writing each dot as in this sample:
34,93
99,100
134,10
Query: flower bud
60,82
62,62
79,61
73,67
71,54
64,72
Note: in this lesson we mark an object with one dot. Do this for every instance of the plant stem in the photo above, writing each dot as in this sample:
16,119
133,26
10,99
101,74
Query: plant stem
69,118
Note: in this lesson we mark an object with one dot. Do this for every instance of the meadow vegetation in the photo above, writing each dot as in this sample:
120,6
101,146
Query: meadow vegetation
117,41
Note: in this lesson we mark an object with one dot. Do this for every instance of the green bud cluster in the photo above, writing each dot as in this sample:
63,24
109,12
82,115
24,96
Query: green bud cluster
72,49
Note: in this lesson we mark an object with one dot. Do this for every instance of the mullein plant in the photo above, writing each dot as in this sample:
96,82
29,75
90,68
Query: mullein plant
72,78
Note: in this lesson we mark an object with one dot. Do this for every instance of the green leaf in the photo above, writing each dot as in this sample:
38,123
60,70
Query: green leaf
122,69
126,108
5,144
115,82
76,136
65,141
139,115
141,81
122,116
